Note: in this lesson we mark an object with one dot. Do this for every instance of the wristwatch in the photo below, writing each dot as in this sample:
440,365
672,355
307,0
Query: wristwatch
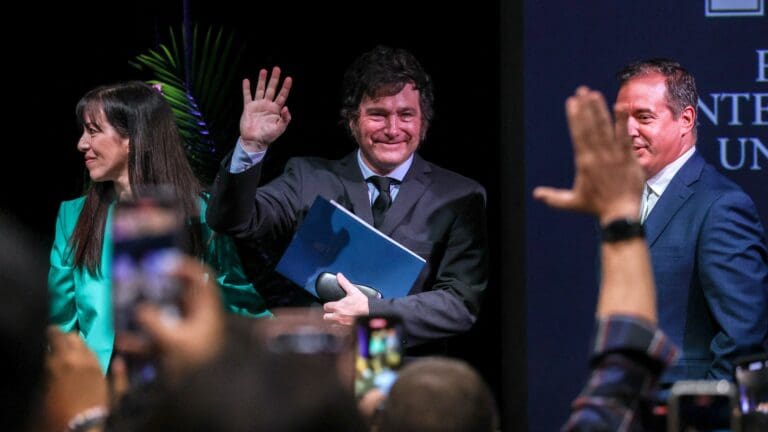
622,229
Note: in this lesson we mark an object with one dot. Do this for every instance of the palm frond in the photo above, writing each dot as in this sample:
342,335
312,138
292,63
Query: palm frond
204,103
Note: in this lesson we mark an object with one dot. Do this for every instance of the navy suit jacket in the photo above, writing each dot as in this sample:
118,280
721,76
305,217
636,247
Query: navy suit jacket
437,214
710,264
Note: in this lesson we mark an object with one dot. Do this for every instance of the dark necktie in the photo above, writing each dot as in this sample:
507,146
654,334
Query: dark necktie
383,201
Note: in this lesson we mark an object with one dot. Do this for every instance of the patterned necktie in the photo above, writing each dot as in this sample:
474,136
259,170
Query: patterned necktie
383,201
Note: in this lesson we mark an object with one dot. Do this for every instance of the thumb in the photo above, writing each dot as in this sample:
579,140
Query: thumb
118,374
346,285
553,197
151,319
285,115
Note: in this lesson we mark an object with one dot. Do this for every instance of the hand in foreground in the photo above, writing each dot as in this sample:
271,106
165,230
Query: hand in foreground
609,180
199,334
74,379
344,311
370,404
265,115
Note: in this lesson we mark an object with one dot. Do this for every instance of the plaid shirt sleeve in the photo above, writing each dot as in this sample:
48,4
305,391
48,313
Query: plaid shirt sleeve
628,356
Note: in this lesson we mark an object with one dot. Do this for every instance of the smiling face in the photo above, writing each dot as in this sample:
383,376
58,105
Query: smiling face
105,151
388,129
659,137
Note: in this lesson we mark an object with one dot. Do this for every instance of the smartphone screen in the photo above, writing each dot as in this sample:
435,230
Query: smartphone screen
379,353
702,406
301,332
704,412
752,381
145,235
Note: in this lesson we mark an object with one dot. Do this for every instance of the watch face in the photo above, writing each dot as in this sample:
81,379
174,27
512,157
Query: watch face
622,229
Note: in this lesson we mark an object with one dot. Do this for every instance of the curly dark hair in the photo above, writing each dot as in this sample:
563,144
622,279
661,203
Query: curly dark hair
384,71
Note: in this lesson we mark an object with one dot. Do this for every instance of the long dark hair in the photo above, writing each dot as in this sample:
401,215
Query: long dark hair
156,157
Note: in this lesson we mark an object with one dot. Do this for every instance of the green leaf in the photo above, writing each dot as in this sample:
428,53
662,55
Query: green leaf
205,104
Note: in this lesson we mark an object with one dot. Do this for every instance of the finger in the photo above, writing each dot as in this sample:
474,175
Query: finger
284,91
573,107
338,319
582,91
152,321
118,376
344,320
131,343
198,284
285,115
599,120
346,285
620,130
558,198
583,113
272,86
330,306
247,96
335,318
260,85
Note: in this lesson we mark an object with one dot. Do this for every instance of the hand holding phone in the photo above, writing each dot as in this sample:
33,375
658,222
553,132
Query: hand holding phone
752,380
302,332
379,353
145,235
698,406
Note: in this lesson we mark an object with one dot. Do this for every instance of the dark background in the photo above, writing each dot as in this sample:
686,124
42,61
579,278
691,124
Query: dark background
567,45
531,339
64,50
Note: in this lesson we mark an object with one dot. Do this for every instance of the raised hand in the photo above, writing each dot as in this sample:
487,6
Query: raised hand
199,335
265,115
608,181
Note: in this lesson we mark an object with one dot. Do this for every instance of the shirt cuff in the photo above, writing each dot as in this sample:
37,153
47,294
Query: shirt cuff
242,159
624,333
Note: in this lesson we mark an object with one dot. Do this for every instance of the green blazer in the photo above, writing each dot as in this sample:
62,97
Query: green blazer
82,302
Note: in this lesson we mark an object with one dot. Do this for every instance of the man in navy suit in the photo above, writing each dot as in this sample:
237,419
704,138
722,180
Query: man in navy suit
707,244
440,215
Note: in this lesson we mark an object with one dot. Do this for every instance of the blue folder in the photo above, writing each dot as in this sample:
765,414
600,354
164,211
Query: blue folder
332,239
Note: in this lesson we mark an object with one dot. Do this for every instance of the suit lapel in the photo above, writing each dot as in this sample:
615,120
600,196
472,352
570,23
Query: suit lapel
677,193
355,188
414,184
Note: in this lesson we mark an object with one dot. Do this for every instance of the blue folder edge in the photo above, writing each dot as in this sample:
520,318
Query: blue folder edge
332,239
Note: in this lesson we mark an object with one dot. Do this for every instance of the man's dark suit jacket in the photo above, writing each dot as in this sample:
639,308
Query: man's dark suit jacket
437,214
710,263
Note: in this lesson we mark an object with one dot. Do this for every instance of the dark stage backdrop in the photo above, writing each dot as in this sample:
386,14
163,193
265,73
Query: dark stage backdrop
54,60
568,44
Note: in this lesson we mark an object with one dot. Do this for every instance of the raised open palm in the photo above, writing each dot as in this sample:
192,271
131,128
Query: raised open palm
265,116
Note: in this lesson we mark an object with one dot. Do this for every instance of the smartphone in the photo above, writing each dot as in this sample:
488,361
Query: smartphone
146,234
303,333
751,375
379,352
698,406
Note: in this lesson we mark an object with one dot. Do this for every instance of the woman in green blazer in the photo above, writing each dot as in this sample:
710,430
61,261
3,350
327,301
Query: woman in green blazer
130,142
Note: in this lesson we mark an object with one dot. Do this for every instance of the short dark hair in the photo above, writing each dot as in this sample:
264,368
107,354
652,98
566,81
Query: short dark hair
247,388
681,86
384,71
439,394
